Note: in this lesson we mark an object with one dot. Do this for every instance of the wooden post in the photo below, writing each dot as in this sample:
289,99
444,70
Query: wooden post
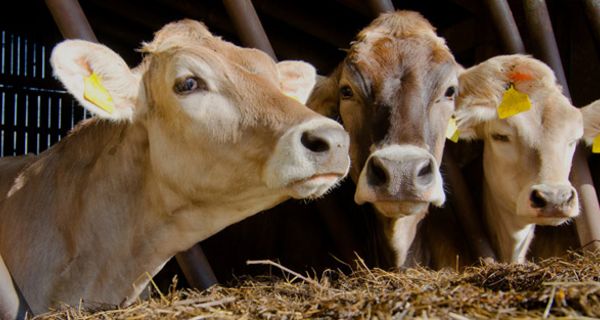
540,29
506,26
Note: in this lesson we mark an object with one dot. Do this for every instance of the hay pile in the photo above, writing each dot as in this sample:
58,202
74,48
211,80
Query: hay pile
568,287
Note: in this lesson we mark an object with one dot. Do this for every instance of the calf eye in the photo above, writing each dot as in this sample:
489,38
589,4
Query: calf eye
450,92
346,92
188,85
500,137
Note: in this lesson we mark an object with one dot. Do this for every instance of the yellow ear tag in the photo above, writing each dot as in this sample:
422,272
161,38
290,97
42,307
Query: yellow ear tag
293,96
96,93
513,102
452,132
596,144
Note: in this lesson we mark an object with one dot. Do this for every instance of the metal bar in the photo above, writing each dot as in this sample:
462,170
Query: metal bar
381,6
541,32
506,26
588,222
196,268
71,20
466,212
540,29
248,26
592,11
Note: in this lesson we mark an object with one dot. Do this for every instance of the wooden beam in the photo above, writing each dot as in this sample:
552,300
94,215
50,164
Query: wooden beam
248,26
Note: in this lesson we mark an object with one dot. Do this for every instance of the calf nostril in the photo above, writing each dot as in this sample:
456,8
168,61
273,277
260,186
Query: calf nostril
571,197
537,199
314,143
376,174
425,170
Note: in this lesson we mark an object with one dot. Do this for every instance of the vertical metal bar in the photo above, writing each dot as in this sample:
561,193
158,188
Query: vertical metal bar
592,10
248,26
466,212
541,32
540,29
196,268
381,6
71,20
506,26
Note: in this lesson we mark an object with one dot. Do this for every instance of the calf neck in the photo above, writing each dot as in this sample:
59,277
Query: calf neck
201,135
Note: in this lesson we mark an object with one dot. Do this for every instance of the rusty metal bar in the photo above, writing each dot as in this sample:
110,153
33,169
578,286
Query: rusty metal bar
541,32
540,29
592,10
506,26
248,26
71,20
466,212
196,268
381,6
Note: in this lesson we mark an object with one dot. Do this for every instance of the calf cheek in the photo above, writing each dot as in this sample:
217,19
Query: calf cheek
354,123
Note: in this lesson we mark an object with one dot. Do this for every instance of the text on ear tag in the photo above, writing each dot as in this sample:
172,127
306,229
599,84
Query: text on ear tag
596,144
452,132
96,93
513,102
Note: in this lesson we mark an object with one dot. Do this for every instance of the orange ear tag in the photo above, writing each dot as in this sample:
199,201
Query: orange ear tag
513,102
596,144
96,93
452,132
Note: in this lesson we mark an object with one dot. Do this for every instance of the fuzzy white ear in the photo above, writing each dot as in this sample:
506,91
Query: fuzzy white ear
591,121
296,79
75,60
469,116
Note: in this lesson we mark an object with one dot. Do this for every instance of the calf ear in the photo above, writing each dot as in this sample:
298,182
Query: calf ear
97,77
591,121
296,79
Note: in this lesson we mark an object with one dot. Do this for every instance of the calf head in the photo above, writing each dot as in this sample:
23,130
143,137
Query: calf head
527,156
394,94
223,123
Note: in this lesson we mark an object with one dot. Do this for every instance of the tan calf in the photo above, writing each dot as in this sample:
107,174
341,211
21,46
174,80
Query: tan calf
527,156
203,135
394,94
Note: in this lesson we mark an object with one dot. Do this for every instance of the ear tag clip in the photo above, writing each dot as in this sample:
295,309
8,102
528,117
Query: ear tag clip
96,93
513,102
452,132
596,144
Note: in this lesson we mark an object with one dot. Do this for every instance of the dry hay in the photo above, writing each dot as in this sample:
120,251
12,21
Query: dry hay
557,288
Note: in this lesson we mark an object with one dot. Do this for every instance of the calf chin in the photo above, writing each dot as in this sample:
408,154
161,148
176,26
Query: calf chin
399,209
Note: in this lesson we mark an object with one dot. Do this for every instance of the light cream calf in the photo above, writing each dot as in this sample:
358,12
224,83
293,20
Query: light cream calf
203,134
527,156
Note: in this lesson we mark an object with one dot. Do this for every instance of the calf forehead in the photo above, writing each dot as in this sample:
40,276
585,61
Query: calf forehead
550,123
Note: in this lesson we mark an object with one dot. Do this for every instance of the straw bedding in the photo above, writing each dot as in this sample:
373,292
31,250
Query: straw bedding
564,287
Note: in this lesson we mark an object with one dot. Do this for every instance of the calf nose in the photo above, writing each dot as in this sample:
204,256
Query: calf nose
323,140
416,174
553,197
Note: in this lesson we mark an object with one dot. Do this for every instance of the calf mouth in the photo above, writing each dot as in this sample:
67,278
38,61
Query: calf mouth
316,185
399,209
